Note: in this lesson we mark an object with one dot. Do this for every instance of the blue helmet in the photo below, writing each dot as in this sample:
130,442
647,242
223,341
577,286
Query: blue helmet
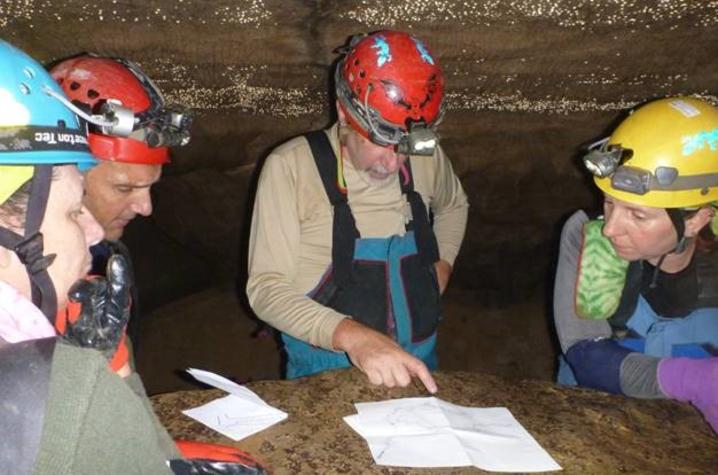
35,126
37,131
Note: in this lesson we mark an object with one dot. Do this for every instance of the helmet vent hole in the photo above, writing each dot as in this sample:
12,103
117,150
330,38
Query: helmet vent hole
92,94
362,74
24,88
29,72
356,62
74,85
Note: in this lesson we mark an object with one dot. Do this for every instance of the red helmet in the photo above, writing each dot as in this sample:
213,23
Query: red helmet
118,90
389,84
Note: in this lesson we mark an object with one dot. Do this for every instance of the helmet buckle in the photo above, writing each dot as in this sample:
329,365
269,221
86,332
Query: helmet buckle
632,180
30,252
666,175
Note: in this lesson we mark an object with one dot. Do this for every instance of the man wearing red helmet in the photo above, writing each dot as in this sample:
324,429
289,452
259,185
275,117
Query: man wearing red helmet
131,130
356,228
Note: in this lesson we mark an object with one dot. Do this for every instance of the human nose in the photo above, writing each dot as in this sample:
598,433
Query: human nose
392,161
94,233
143,204
612,225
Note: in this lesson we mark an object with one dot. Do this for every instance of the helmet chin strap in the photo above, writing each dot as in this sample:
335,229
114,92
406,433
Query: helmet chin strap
679,224
29,248
678,219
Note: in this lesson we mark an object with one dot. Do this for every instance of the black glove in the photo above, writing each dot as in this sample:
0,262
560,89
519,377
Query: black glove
104,308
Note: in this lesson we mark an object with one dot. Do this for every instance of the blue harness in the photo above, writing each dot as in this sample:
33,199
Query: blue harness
388,284
695,335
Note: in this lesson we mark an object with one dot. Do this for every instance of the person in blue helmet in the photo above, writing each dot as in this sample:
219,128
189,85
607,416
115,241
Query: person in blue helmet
63,411
636,292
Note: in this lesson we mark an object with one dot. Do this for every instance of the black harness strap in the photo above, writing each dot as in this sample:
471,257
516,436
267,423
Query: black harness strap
425,239
344,225
344,228
43,290
29,248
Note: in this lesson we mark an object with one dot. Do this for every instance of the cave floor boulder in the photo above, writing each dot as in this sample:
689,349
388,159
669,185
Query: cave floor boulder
587,432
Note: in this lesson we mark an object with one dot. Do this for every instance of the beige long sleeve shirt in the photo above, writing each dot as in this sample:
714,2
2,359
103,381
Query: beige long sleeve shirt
290,245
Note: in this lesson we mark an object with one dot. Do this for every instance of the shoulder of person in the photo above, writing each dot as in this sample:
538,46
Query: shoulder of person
290,155
292,146
573,228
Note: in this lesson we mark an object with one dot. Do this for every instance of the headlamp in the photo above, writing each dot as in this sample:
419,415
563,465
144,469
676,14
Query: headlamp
158,126
605,160
168,127
421,140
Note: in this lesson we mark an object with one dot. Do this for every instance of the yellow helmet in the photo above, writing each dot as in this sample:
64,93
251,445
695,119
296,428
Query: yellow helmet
665,155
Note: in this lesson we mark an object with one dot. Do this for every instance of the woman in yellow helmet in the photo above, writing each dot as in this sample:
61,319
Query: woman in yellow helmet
636,292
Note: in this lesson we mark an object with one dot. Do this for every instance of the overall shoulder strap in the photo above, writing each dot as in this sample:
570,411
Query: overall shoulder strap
420,223
25,373
629,299
707,271
344,230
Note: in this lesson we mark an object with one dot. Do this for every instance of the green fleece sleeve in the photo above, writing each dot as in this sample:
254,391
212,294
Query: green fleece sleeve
96,424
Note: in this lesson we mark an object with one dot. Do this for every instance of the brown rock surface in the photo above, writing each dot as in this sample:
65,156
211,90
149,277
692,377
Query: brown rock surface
211,330
586,432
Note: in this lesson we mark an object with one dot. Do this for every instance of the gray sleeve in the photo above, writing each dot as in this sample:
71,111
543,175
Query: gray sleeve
638,376
638,372
569,327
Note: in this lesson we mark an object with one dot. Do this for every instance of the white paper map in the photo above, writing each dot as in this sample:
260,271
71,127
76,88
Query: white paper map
238,415
429,432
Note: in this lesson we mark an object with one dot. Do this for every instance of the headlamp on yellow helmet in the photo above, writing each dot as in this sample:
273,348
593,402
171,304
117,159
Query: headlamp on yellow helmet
665,154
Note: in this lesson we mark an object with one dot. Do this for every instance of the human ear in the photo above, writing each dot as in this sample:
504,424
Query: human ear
698,221
5,257
340,114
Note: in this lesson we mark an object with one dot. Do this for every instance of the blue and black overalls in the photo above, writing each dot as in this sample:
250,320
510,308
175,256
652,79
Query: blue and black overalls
388,284
676,318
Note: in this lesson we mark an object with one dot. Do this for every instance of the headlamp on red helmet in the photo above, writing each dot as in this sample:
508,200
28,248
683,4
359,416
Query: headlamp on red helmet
133,122
391,89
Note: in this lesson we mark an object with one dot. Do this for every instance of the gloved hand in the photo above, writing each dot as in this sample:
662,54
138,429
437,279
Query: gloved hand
202,458
104,309
692,380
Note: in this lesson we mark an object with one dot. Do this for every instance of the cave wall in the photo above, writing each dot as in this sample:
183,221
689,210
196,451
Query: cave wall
527,82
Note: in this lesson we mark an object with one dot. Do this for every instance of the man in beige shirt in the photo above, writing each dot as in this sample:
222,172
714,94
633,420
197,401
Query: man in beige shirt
356,228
